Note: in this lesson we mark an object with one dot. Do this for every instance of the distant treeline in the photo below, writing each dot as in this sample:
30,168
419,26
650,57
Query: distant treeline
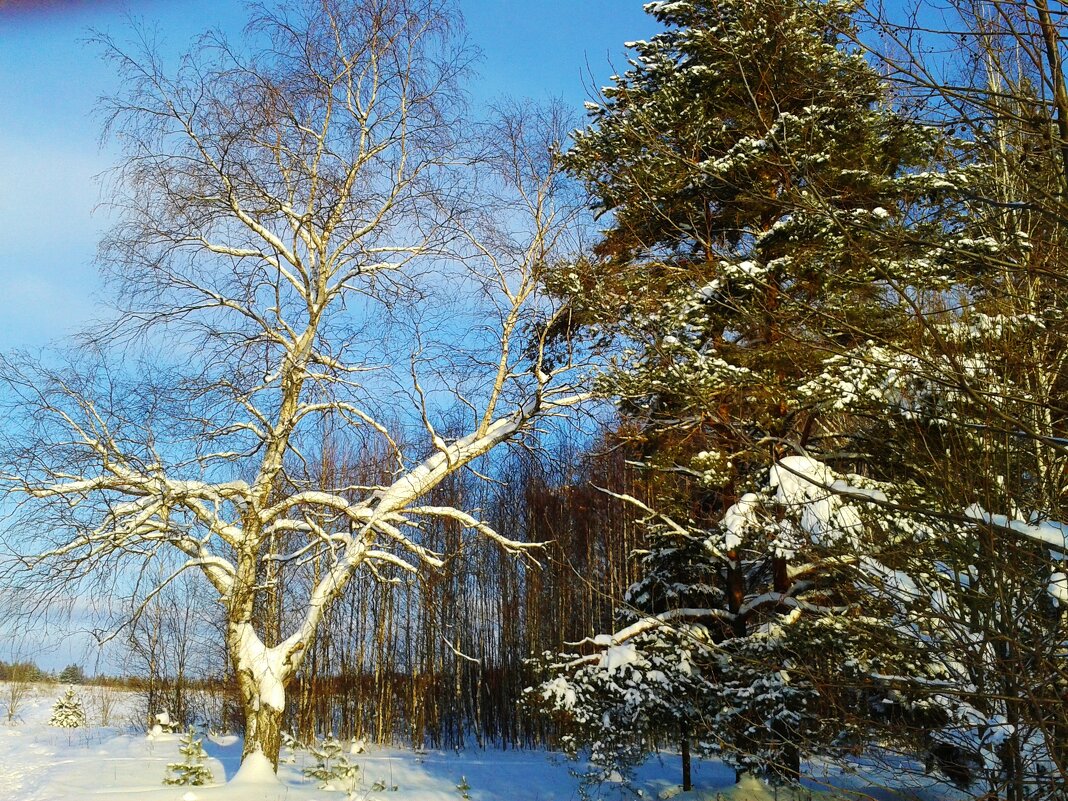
28,671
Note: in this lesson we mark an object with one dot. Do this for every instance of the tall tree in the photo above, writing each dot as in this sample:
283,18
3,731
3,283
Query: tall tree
768,213
295,248
981,382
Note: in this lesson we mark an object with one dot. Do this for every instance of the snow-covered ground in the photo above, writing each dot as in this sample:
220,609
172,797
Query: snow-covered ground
42,763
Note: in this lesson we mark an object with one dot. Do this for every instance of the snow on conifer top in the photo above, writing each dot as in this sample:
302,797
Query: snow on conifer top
68,712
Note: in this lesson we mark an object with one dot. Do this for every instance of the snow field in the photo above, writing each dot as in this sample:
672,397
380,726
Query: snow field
39,762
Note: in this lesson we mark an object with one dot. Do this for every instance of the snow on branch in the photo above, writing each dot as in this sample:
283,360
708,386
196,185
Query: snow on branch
509,545
1048,532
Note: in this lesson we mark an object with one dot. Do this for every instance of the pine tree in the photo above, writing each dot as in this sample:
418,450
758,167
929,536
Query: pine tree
191,770
68,712
767,211
842,335
755,182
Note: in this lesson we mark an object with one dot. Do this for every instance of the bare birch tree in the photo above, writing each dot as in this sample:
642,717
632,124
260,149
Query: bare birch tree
301,242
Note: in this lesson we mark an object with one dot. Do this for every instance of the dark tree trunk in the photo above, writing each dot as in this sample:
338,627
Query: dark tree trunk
687,784
790,754
791,760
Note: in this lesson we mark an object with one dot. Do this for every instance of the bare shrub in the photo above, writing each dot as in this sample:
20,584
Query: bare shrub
105,704
18,689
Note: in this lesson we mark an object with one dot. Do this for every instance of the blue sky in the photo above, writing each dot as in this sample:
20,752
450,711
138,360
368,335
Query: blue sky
50,152
50,80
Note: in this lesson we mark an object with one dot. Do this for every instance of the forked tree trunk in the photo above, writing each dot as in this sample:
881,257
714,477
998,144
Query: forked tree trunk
263,731
262,678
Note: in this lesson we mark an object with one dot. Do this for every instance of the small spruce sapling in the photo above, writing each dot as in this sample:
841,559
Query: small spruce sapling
68,712
464,788
191,770
332,768
291,745
380,784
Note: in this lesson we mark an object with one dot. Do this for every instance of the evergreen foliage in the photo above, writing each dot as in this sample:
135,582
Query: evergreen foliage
21,671
464,788
757,187
332,769
770,217
162,723
68,712
191,770
72,674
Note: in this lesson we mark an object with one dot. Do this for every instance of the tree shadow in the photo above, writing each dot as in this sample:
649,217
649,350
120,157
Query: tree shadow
227,751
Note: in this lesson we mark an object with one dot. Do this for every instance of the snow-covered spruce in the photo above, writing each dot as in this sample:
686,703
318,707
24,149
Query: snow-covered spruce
68,711
333,768
163,724
191,770
692,666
